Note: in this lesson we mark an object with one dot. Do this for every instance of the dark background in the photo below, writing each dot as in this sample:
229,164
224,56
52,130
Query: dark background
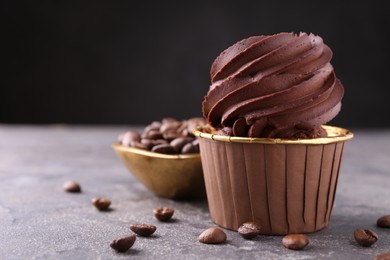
121,62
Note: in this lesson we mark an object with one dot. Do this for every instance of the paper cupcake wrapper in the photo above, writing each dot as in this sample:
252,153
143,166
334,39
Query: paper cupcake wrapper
287,186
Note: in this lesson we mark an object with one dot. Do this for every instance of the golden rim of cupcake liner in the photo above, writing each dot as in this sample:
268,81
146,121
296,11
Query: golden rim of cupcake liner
335,134
134,150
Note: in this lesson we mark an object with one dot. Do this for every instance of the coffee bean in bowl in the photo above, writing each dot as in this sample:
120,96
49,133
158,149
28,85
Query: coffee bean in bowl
165,158
170,136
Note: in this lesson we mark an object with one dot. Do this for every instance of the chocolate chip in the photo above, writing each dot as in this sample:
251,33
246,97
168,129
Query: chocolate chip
72,186
295,241
249,230
365,237
212,235
144,230
163,214
384,222
123,244
101,203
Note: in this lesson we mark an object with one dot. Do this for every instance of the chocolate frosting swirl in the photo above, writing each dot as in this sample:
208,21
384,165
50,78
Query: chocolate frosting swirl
273,86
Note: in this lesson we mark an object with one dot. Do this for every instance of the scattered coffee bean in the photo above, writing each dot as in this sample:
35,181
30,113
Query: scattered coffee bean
72,186
212,236
144,230
163,214
384,222
384,256
249,230
169,131
101,203
365,237
123,244
295,241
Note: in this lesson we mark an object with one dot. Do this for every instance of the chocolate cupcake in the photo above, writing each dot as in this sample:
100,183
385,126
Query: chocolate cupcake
266,154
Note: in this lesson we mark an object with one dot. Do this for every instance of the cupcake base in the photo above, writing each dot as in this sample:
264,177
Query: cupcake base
286,186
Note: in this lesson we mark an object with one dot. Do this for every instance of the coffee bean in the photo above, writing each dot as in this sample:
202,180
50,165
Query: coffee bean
72,186
151,143
152,134
129,137
140,145
143,230
169,136
168,120
168,131
365,237
249,230
164,148
169,126
189,148
123,244
101,203
384,222
163,214
179,142
295,241
194,122
155,125
212,235
384,256
183,125
195,142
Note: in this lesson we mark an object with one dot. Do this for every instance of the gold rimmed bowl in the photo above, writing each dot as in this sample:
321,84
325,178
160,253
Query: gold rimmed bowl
178,176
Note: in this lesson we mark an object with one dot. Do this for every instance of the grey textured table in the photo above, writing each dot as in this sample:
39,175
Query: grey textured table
38,220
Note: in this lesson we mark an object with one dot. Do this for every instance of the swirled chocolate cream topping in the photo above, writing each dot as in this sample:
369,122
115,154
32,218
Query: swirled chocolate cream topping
278,86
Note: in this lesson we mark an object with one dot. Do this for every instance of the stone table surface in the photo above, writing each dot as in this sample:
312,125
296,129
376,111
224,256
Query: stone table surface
38,220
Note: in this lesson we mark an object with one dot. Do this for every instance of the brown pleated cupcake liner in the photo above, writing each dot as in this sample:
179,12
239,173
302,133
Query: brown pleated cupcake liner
287,186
